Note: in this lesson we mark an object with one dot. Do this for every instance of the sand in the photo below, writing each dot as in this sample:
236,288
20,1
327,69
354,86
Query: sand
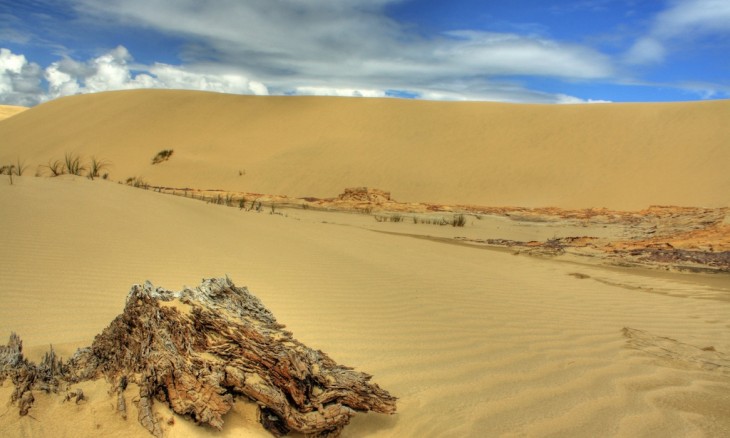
10,110
473,341
621,156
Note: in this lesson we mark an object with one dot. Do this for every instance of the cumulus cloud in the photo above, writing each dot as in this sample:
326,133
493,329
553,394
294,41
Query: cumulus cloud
21,81
683,20
341,92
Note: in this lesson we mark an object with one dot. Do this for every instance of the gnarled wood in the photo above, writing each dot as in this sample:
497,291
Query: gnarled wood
196,350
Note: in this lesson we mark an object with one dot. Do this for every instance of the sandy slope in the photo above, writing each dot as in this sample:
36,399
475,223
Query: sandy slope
474,342
10,110
623,156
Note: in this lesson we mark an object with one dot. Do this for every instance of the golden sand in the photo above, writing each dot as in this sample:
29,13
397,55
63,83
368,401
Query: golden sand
474,342
10,110
621,156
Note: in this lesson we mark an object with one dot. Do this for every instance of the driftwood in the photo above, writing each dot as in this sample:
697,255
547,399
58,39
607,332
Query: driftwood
196,350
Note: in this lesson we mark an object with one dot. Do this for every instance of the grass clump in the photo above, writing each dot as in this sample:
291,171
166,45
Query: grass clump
162,156
137,182
55,167
72,164
395,217
95,168
13,169
459,220
8,170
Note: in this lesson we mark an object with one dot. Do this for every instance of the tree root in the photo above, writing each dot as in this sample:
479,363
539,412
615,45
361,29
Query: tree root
196,350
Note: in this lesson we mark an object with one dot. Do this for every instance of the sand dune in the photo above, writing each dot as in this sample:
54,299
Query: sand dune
622,156
474,342
10,110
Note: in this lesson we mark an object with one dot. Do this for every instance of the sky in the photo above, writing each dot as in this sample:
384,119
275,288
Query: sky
537,51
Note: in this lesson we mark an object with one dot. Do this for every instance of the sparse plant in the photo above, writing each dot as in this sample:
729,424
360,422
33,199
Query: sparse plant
137,182
242,203
19,167
395,217
161,156
95,168
72,164
253,205
459,220
55,167
273,208
8,170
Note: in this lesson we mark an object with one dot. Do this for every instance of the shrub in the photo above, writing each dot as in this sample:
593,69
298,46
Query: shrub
161,156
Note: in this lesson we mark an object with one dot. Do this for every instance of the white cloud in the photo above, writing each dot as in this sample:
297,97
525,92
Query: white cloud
19,79
510,54
565,99
647,50
693,16
318,45
115,70
683,20
342,92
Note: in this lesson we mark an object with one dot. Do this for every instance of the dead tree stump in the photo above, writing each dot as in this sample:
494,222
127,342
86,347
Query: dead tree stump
196,350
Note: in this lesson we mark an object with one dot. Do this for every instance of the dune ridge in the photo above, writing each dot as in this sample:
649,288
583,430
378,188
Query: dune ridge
10,110
620,156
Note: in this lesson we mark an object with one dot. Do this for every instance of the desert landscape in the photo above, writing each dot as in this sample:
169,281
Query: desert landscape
500,269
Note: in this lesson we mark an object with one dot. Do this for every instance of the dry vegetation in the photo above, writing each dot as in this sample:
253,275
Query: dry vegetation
196,351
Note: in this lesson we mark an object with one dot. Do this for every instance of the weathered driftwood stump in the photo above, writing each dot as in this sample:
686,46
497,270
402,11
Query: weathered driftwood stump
196,350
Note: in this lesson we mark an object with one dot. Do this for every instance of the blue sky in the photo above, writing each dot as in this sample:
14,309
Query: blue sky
537,51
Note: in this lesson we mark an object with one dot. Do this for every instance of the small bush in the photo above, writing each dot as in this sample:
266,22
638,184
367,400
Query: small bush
161,156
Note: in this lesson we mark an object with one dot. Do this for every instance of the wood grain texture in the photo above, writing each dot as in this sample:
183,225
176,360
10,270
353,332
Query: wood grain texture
197,350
